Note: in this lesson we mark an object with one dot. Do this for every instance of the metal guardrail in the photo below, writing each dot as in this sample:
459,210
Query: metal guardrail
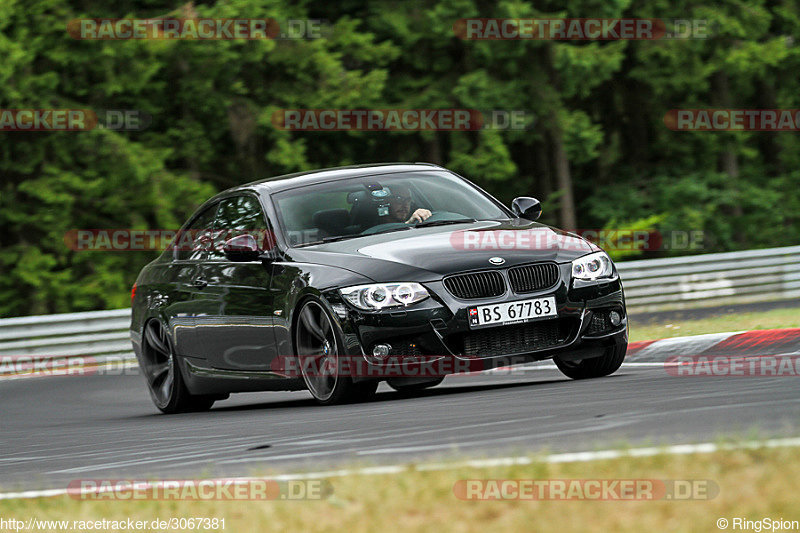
711,279
650,285
95,336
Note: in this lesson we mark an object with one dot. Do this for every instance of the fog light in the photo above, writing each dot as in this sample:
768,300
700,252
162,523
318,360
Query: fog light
615,318
381,350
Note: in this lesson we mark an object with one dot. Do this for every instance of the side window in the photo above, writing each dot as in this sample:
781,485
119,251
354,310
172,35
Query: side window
237,216
196,238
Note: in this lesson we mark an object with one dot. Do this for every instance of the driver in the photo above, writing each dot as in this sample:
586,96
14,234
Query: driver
400,207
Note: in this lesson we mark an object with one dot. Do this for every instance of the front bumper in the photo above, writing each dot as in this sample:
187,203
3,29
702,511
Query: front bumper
437,329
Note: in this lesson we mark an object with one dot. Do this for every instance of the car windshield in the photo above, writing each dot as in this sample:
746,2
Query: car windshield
367,205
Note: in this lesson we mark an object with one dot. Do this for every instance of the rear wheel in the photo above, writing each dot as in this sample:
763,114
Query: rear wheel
317,342
160,367
596,367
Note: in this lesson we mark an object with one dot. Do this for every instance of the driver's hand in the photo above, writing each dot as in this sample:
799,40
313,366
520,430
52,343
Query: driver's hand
418,216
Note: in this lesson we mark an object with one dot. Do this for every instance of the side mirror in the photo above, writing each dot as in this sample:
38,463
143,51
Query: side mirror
526,207
241,248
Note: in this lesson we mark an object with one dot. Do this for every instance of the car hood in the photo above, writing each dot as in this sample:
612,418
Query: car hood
427,254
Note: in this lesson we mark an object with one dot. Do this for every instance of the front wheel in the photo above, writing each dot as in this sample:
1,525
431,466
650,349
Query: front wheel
317,342
595,367
160,367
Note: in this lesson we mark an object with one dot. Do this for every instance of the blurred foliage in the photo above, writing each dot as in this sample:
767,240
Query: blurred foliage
595,110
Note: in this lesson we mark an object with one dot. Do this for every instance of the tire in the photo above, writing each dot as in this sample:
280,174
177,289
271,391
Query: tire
317,342
164,380
595,367
400,385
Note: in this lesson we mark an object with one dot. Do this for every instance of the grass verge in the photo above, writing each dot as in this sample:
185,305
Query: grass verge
753,484
776,318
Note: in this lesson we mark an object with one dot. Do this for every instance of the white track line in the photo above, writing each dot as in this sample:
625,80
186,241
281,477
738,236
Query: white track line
678,449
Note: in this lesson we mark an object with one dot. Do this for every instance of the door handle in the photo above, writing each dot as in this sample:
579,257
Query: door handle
200,283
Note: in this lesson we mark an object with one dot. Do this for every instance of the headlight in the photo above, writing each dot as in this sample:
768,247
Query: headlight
384,295
592,266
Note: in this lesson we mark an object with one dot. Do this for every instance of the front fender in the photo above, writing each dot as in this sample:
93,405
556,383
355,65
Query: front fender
298,281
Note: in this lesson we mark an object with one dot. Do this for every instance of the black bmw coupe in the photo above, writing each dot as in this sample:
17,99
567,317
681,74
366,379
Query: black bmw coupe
337,279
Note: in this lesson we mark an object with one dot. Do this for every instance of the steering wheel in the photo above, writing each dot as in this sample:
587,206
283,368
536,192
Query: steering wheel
436,216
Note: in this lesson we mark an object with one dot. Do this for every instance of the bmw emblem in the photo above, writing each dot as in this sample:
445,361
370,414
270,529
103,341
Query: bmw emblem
497,260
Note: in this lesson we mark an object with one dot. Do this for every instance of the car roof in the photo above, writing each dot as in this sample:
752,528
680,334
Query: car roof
311,177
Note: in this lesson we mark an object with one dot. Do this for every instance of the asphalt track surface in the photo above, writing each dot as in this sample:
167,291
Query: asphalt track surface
57,429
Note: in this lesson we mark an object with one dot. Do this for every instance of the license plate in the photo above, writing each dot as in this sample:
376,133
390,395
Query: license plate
511,312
